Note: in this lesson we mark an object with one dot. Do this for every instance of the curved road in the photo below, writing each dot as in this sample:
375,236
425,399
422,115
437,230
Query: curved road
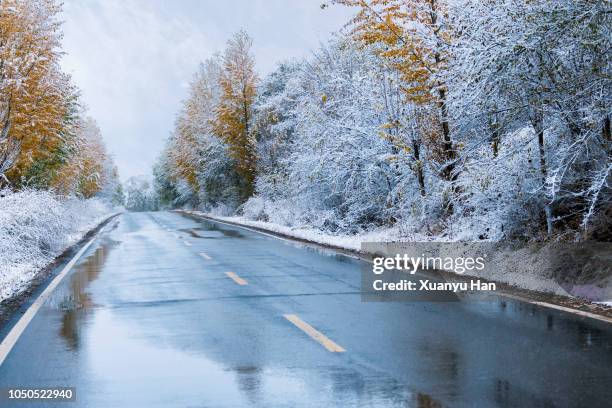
164,310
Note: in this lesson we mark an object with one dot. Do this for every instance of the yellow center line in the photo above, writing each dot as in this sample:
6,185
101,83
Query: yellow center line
236,278
203,255
314,334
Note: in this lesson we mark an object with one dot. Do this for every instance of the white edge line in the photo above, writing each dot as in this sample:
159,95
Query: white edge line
13,336
565,309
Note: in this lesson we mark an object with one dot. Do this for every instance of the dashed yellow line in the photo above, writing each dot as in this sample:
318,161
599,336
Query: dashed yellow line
203,255
236,278
314,334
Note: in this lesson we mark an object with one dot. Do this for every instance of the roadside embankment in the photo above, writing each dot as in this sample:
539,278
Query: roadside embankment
35,228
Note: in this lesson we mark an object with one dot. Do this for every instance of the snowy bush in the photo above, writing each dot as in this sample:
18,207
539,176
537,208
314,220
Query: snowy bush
499,196
281,212
35,227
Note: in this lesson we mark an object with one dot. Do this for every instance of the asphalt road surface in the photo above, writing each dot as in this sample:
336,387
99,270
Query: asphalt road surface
165,310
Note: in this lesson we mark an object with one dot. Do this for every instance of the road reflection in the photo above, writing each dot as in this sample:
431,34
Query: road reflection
78,299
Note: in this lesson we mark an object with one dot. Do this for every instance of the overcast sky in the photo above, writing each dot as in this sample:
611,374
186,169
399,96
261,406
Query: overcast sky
132,59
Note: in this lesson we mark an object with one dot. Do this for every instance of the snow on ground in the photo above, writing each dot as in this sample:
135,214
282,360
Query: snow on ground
37,226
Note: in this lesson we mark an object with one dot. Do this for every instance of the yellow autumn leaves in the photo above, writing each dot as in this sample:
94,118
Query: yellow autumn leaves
234,113
220,105
411,35
45,141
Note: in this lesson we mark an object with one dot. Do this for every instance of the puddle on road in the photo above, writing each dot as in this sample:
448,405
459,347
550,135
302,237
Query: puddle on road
212,230
124,364
211,233
74,298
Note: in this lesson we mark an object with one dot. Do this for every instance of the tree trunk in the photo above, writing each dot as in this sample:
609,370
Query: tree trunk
419,166
495,135
9,147
449,168
549,220
537,121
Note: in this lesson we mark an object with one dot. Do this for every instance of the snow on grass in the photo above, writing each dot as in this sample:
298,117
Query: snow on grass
37,226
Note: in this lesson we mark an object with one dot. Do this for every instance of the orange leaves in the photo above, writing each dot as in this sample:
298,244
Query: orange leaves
193,123
216,119
91,158
413,36
83,172
183,152
44,140
35,95
410,36
233,115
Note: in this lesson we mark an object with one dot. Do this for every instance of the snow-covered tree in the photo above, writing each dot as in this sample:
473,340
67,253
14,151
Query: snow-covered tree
337,142
461,119
35,96
234,110
540,65
140,194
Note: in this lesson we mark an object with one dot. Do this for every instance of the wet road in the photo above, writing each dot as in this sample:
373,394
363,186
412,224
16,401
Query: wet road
150,317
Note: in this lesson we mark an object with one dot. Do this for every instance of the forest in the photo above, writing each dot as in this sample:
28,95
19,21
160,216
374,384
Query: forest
48,141
440,119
